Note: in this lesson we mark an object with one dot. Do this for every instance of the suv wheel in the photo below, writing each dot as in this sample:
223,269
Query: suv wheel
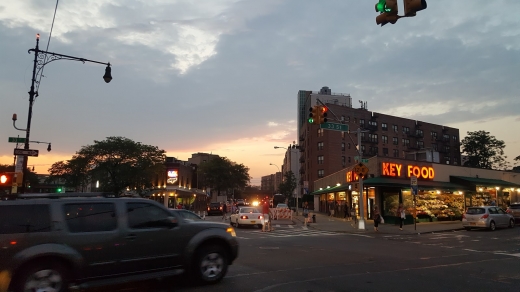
492,225
211,264
48,277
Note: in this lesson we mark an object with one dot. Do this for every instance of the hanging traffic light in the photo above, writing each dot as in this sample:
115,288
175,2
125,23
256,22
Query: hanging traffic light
388,10
412,6
322,114
314,115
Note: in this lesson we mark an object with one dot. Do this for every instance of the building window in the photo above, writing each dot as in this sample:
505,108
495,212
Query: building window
406,130
447,149
396,152
446,138
372,138
447,159
419,133
342,118
455,138
320,132
343,161
362,122
320,159
395,140
406,142
385,151
342,146
374,150
355,120
362,148
434,135
420,144
342,135
384,139
395,128
321,173
455,161
384,126
349,159
348,119
320,145
434,147
348,145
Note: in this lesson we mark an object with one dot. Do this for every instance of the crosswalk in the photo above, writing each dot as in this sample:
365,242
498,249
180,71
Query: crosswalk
284,231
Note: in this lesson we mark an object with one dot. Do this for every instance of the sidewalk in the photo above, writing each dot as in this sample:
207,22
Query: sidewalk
326,223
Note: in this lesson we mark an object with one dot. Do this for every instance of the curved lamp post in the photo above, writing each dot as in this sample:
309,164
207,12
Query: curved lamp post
42,58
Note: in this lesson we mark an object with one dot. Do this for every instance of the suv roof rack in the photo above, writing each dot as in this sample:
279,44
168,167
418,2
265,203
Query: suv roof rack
66,195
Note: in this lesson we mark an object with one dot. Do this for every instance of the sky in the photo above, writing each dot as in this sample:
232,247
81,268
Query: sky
222,76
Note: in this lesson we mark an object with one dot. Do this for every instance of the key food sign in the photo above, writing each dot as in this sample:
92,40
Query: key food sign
399,170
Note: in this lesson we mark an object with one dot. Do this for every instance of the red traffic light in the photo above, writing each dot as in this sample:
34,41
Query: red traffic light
5,179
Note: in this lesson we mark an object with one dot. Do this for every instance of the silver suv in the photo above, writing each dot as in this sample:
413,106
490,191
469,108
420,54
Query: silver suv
51,244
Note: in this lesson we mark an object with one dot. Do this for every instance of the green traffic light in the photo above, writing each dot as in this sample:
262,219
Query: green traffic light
380,7
310,120
59,190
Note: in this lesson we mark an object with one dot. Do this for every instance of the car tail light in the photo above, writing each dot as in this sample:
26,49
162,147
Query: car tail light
244,217
509,211
260,217
484,216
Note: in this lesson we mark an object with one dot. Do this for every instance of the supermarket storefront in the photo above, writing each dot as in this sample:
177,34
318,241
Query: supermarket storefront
443,192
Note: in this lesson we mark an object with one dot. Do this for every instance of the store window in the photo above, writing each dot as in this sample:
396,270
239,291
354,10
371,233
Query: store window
390,203
435,205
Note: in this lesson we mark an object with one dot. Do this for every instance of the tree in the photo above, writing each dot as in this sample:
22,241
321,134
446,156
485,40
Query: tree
117,162
221,174
516,167
288,185
484,151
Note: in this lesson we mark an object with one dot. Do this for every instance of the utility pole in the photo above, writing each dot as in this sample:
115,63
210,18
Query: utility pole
361,224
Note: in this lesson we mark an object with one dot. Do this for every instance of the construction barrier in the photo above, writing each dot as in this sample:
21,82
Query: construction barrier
281,213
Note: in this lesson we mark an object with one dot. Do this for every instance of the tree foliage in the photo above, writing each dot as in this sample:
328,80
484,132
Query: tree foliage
484,151
117,162
288,185
221,174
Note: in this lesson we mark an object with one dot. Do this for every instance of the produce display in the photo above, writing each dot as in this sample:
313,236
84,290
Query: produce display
440,206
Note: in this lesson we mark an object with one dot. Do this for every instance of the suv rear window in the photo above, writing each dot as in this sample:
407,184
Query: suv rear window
476,211
24,219
89,217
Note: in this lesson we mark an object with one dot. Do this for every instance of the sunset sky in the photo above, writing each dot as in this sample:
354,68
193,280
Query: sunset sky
222,76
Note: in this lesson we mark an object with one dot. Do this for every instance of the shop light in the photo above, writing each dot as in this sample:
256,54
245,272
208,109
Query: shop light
321,189
328,187
497,188
438,192
338,184
460,193
480,189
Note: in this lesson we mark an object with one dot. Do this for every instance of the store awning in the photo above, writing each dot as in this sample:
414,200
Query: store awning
404,183
335,189
484,182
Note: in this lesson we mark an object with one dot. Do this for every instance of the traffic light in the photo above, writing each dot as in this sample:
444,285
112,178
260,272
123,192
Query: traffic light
412,6
388,10
314,115
5,179
322,114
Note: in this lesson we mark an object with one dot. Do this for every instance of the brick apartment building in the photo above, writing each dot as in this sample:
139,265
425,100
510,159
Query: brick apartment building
323,152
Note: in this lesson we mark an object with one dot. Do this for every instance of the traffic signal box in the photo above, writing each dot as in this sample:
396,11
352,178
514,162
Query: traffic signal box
412,6
322,114
314,115
388,10
6,179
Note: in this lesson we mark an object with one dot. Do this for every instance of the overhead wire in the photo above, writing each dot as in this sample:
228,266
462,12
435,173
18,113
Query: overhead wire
48,43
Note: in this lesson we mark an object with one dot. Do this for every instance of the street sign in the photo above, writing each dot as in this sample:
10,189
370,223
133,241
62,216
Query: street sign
364,160
16,140
413,180
334,127
25,152
361,169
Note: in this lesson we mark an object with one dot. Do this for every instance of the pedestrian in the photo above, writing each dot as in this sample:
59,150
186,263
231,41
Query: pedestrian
353,214
493,203
377,218
305,213
224,212
347,212
234,208
266,226
332,206
402,215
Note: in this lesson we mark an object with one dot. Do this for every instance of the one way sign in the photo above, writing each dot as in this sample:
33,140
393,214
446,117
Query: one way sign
25,152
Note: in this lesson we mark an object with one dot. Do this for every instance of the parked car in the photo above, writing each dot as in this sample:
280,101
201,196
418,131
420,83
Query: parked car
489,217
284,206
241,202
215,208
186,215
80,242
514,210
247,216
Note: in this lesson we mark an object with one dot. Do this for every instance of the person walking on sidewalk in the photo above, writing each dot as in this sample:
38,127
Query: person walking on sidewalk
402,215
377,218
347,212
353,214
305,213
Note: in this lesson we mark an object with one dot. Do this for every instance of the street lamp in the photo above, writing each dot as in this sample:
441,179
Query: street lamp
42,58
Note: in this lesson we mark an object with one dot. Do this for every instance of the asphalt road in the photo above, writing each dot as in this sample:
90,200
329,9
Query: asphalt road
292,258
